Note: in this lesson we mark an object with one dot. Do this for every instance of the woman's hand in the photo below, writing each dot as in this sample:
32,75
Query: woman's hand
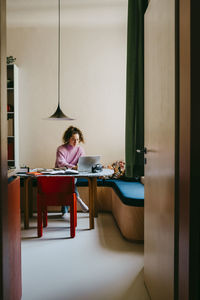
75,167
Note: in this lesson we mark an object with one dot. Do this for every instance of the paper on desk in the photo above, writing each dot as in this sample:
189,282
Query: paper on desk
54,172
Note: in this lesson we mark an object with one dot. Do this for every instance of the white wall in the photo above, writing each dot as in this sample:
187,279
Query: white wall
93,85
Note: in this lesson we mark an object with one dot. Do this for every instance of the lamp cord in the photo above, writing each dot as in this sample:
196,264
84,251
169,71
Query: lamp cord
59,52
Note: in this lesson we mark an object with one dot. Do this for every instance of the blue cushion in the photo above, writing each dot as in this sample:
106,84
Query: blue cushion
11,178
84,182
130,193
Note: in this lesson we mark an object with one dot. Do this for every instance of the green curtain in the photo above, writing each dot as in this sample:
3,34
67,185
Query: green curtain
135,89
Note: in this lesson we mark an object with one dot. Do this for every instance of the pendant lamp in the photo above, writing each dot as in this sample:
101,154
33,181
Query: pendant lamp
59,115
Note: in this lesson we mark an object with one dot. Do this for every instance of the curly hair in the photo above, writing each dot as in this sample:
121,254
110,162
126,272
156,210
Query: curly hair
71,131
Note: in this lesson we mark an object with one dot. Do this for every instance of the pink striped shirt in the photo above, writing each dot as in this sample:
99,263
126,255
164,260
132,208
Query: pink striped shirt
67,155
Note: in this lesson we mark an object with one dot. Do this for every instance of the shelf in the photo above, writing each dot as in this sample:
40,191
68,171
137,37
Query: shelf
12,116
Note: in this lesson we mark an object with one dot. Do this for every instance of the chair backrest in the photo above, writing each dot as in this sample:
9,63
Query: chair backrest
55,184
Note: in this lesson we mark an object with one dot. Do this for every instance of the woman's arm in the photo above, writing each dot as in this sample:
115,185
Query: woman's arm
61,161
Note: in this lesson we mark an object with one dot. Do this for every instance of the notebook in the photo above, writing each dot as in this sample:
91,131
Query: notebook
85,163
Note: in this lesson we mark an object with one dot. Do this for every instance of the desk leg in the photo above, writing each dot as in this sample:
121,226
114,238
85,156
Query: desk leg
26,203
92,183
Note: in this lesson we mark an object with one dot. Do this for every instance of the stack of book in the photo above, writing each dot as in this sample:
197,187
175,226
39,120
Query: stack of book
55,171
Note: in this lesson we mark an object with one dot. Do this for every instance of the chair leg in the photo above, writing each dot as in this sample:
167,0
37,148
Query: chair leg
39,217
72,219
75,211
45,220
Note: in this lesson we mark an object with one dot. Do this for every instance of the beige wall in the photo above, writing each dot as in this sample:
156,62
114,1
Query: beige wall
93,68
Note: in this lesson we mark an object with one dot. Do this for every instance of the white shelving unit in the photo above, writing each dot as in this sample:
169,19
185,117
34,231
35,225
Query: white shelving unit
12,116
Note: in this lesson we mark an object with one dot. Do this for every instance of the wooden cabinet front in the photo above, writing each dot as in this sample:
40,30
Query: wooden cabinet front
14,238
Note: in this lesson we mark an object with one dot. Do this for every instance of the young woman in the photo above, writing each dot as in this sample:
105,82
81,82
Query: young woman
67,155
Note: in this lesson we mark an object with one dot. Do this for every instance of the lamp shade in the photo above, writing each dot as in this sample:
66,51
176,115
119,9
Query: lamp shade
59,115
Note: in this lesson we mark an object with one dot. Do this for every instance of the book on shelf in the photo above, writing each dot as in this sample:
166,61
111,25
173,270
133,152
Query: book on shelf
10,127
11,150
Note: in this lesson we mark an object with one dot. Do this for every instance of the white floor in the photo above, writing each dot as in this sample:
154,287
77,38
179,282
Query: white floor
97,264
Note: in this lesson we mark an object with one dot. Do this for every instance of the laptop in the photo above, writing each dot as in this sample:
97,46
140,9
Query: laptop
85,163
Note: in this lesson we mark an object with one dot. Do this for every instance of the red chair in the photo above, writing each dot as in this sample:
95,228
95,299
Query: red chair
54,191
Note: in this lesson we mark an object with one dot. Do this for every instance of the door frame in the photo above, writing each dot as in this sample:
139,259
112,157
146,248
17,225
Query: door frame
189,149
4,243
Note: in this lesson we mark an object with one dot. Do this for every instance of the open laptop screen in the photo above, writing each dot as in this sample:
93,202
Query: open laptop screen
85,163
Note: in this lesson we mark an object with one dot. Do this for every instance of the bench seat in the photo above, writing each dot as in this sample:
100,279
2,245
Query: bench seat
124,199
130,193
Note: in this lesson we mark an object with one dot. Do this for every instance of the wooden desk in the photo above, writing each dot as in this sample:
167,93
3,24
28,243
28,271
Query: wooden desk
92,184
